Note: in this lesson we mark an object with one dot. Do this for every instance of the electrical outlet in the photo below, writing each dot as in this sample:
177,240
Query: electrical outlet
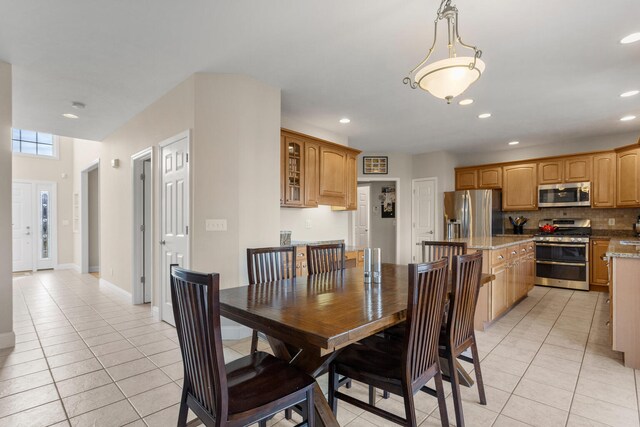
215,225
307,224
612,221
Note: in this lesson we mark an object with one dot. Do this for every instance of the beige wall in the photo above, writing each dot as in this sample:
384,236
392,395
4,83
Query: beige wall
60,171
94,220
325,224
7,338
400,167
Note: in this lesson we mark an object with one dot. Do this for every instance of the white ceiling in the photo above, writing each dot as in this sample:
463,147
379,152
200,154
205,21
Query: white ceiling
555,69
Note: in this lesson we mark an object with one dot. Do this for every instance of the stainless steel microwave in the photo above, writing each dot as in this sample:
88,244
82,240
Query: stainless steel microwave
564,195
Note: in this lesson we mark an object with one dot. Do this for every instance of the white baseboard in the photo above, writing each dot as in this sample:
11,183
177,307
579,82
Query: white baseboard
117,289
94,269
69,266
235,332
155,312
7,339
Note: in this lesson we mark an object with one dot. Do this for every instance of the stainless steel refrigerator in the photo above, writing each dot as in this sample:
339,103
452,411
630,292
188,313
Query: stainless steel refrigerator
473,213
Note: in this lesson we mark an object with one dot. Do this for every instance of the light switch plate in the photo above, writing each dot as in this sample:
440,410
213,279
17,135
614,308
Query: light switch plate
215,225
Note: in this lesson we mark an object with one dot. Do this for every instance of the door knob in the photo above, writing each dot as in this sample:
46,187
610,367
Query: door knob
27,227
163,242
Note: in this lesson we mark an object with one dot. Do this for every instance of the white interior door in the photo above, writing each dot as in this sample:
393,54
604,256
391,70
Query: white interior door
362,217
423,214
23,232
146,230
174,207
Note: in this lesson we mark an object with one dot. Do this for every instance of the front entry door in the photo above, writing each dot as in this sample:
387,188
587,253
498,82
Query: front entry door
423,215
22,212
174,160
362,217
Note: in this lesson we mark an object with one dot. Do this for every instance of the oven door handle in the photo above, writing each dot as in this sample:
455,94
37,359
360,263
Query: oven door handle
563,245
575,264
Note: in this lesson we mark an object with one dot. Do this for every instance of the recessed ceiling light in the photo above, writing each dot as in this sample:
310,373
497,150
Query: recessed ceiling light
627,118
631,38
514,143
467,101
345,120
70,116
629,93
78,105
484,116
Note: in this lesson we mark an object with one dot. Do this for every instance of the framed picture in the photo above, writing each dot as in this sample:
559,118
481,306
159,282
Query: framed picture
375,165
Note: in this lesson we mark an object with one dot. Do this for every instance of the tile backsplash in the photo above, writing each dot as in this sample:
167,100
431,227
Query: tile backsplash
624,218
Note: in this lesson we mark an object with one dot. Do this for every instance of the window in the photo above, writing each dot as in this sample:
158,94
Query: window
33,143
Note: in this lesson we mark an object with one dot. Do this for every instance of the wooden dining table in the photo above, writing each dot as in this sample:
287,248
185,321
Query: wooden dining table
307,319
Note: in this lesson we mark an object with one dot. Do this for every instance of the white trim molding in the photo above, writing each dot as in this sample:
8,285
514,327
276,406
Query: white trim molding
115,289
155,312
69,266
7,339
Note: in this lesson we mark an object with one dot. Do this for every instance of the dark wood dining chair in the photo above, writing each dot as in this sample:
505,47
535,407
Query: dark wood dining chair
243,392
459,334
435,250
266,265
401,367
324,258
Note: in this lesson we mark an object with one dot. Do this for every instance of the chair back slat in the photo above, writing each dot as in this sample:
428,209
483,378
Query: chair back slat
467,272
427,292
435,250
271,264
324,258
196,310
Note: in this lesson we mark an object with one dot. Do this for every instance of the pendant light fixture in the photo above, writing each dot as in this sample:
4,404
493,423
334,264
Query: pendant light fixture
448,77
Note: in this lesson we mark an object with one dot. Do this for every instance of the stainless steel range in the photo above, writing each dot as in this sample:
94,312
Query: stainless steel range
562,256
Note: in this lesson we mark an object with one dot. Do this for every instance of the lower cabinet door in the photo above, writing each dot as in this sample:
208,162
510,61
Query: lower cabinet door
499,292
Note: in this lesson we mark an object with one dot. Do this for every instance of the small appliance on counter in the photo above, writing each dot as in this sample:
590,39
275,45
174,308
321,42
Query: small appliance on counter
285,238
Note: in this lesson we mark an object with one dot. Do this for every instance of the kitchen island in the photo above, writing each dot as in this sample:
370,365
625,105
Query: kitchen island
624,299
511,259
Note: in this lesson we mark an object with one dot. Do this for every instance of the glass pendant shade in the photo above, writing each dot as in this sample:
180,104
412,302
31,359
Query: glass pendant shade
449,77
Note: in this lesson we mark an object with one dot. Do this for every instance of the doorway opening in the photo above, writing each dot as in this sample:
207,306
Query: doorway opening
34,225
90,218
375,223
142,184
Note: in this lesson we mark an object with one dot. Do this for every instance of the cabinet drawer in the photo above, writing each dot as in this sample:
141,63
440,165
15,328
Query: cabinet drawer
350,255
498,256
301,253
513,251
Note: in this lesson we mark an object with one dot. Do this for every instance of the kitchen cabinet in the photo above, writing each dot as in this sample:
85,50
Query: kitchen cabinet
603,187
520,187
466,179
499,291
293,171
628,178
311,173
490,177
578,169
598,267
315,172
550,172
352,182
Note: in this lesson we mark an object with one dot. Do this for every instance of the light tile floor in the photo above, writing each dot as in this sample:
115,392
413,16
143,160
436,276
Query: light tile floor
86,356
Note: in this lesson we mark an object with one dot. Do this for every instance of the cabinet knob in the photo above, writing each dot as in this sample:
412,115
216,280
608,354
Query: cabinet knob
500,257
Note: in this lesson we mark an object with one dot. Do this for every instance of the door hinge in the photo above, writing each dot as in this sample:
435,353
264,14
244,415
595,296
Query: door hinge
142,228
142,177
142,279
187,230
187,157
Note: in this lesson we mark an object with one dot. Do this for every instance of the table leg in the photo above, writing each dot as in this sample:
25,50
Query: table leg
314,365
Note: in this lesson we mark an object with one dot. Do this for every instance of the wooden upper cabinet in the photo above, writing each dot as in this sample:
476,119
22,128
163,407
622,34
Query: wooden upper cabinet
466,179
311,173
352,182
293,171
490,177
628,178
578,169
333,175
520,187
603,186
550,172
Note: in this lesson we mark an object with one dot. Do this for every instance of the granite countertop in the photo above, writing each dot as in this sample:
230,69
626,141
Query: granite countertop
617,249
314,242
495,242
